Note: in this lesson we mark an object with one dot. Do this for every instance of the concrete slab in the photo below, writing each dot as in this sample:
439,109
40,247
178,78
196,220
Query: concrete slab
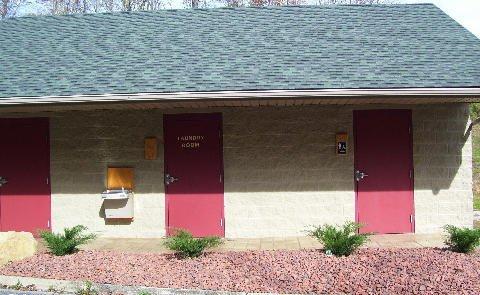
72,287
155,245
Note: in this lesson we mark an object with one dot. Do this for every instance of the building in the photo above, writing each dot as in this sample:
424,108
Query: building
245,122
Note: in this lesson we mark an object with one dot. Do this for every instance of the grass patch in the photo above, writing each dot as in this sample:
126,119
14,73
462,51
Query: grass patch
476,147
476,201
476,167
87,289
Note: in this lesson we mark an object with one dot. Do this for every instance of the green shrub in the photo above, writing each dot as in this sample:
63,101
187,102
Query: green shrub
462,240
340,241
18,286
185,245
87,289
53,289
67,242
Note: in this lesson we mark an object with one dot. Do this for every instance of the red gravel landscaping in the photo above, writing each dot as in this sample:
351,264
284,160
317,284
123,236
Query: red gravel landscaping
368,271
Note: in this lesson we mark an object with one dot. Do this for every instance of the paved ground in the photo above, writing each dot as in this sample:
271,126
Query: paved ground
156,245
14,292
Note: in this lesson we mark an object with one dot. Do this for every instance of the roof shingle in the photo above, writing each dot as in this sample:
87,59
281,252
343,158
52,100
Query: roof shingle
303,47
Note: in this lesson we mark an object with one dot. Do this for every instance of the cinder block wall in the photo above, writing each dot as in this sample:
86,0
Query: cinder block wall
443,167
281,171
83,145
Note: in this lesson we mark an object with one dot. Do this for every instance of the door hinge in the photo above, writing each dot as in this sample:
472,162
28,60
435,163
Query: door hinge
48,223
411,218
410,174
48,180
220,178
409,130
221,222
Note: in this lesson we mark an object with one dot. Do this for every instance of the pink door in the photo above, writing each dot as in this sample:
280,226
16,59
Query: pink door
24,172
194,173
383,170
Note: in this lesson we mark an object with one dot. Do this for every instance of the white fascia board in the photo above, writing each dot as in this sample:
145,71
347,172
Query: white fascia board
226,95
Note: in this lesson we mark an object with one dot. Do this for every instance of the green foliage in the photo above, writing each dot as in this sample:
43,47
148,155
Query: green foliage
67,242
185,245
476,148
53,289
18,286
144,293
476,202
340,241
474,110
462,240
87,289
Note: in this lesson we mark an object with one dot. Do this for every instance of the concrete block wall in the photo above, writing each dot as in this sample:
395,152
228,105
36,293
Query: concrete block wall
281,170
442,154
83,145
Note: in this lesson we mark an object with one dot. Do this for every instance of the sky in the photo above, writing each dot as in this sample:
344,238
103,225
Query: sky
466,12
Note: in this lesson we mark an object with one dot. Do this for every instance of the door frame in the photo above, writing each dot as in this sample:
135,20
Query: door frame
46,122
412,179
196,116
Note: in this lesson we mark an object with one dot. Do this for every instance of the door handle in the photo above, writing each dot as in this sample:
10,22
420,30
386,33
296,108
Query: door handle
359,175
170,179
3,181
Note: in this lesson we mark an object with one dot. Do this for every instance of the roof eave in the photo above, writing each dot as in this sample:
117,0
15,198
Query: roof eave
468,92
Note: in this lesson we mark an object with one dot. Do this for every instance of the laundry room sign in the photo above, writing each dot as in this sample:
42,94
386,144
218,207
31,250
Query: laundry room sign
190,141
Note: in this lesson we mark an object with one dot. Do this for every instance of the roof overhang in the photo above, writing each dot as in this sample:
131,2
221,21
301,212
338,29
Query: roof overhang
243,98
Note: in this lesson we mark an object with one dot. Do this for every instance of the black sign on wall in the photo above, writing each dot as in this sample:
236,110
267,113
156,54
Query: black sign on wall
341,143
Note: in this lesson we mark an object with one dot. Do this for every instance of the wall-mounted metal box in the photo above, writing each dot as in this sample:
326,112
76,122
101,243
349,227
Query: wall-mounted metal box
118,204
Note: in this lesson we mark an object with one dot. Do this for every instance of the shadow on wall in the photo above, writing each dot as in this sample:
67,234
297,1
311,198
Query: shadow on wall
268,149
114,221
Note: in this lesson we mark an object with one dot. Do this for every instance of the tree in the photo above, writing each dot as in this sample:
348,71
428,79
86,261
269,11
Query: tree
141,5
67,6
89,6
9,8
357,2
258,3
275,2
195,3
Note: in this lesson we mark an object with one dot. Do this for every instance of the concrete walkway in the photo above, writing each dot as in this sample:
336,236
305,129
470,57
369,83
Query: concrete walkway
139,245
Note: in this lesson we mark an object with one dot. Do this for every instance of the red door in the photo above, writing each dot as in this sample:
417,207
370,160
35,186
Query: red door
25,172
194,173
383,170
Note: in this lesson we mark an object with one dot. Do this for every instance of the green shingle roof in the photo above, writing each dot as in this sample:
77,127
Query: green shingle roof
306,47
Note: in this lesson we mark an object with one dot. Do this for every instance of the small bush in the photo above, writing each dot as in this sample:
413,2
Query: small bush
340,241
185,245
53,289
67,242
18,286
87,289
462,240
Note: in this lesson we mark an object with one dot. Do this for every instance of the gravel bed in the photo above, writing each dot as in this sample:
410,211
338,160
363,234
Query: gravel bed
368,271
